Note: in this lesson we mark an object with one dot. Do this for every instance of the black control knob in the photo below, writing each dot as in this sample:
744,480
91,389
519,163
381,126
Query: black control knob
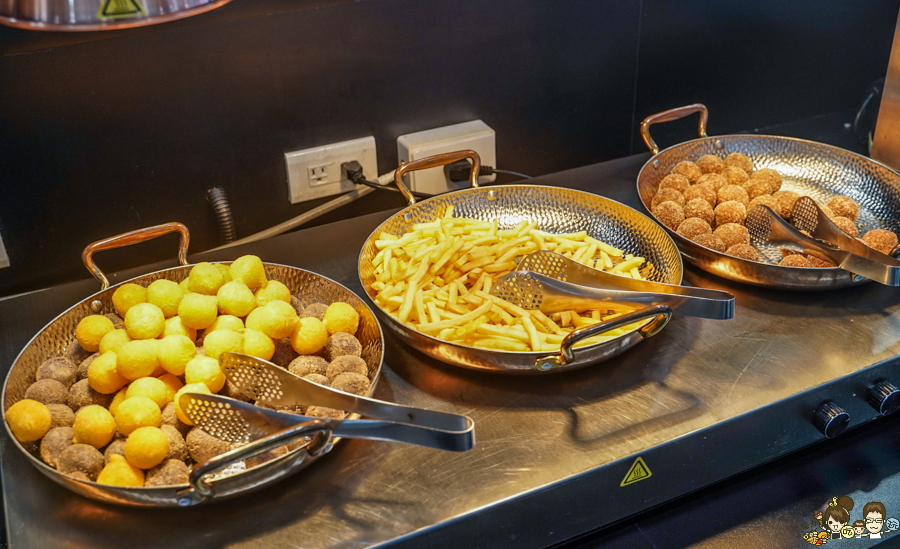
831,419
884,397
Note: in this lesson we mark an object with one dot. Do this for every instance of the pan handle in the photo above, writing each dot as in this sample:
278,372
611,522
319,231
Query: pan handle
434,161
662,313
133,237
673,114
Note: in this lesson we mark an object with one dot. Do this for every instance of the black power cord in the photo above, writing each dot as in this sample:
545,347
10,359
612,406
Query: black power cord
354,171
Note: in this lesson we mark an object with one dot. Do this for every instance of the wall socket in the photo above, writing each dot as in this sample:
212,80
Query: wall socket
316,172
475,135
4,259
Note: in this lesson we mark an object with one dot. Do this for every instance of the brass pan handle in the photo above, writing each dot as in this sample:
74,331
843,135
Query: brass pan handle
433,162
662,313
673,114
134,237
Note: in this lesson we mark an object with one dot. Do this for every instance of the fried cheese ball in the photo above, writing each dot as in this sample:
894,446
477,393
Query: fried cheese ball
341,317
688,169
693,227
270,291
765,200
94,425
827,211
59,368
174,352
145,321
165,294
126,296
758,187
137,412
120,396
309,336
249,269
81,458
150,387
845,225
115,448
347,363
669,214
740,160
82,394
711,241
732,233
276,319
351,382
188,388
315,310
730,212
735,176
60,415
47,391
743,251
235,298
173,385
820,263
137,359
28,420
341,344
203,446
90,331
710,164
714,180
113,340
119,472
198,311
171,472
730,193
54,443
881,240
844,206
662,196
700,208
206,371
174,326
228,322
704,191
317,378
795,260
221,341
675,181
770,176
104,376
785,201
258,344
205,278
146,447
305,365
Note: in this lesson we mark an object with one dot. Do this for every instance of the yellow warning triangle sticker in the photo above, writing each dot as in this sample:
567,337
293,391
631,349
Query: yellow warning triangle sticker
117,9
638,472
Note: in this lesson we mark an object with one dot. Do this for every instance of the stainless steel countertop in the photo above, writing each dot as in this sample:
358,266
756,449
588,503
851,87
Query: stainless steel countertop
537,436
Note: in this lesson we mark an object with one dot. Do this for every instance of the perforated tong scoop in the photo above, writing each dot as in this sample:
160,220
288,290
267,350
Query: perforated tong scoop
554,283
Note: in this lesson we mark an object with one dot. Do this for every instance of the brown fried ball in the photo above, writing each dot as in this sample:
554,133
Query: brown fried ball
714,180
47,391
739,160
351,382
203,446
674,181
76,353
274,453
54,443
231,390
700,208
770,176
735,176
82,371
347,363
796,260
116,447
324,413
845,225
61,415
317,378
692,227
711,241
732,233
879,239
669,214
827,211
732,192
701,190
667,194
730,212
81,458
341,344
284,352
743,251
117,320
315,310
688,169
177,446
169,417
766,200
844,206
303,365
710,164
297,305
820,263
785,201
82,394
757,187
59,368
170,472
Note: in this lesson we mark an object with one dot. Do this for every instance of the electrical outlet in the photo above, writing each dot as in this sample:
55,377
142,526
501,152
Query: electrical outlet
316,172
475,135
4,259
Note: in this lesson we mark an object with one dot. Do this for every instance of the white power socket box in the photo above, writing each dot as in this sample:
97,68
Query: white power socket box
475,135
4,259
316,172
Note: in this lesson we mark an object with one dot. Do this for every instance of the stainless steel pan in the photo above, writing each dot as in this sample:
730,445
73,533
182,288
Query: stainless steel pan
808,168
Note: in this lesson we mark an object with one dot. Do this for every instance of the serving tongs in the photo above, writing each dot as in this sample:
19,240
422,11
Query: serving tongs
768,229
553,283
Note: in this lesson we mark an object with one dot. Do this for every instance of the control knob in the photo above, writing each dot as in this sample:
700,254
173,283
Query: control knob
831,419
884,397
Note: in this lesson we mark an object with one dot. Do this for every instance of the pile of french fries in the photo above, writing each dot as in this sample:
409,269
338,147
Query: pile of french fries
437,277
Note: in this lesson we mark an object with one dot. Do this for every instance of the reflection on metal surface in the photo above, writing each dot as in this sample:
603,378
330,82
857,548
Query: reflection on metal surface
91,15
886,142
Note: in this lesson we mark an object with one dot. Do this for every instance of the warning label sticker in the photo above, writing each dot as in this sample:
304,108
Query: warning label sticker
118,9
638,472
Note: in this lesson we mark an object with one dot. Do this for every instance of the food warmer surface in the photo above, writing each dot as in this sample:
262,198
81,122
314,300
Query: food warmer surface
700,402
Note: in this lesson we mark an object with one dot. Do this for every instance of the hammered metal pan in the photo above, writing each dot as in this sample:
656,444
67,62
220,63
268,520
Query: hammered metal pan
54,338
811,169
556,210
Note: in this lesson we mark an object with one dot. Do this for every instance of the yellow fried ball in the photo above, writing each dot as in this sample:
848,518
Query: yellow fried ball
205,278
276,319
228,322
225,270
166,295
94,425
120,396
28,420
150,387
173,384
90,331
118,472
205,370
103,374
258,344
136,412
146,447
249,270
127,296
113,340
189,388
198,311
220,341
144,321
174,326
184,285
235,298
137,359
271,291
341,317
174,352
309,336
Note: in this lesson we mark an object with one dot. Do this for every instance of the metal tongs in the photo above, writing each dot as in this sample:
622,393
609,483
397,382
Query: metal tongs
554,283
768,229
260,429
